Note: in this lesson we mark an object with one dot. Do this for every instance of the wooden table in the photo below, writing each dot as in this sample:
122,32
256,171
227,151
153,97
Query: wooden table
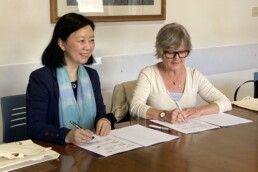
230,149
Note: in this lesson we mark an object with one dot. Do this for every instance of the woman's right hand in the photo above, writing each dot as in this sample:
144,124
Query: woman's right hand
79,136
175,116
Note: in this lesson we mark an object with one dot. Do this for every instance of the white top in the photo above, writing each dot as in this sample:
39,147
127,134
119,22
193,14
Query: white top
151,91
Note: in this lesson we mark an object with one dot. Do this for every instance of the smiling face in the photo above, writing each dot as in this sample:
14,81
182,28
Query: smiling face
79,46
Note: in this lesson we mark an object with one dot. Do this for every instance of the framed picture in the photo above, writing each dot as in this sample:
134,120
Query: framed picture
112,10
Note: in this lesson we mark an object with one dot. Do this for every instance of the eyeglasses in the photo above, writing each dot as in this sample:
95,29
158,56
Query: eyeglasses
181,54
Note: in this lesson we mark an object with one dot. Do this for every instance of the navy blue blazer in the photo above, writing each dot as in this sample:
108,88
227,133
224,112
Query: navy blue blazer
42,99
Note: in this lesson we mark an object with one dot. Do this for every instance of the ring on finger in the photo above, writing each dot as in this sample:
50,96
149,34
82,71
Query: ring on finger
178,116
178,119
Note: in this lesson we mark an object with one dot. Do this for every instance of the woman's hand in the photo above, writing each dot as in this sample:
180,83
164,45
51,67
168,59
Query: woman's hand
103,127
79,136
189,113
175,116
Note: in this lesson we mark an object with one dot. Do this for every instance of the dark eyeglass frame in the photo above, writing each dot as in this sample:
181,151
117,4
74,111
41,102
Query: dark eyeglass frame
179,53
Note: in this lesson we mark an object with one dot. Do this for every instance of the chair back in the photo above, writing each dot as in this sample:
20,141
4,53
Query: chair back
14,118
121,99
256,85
255,81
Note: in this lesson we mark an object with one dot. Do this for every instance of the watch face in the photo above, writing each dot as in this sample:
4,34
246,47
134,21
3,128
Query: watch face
162,114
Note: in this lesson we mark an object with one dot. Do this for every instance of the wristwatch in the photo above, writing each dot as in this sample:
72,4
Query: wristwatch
162,116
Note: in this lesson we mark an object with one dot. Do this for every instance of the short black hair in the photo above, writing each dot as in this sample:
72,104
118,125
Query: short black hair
53,56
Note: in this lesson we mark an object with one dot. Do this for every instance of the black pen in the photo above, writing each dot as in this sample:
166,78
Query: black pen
159,127
78,127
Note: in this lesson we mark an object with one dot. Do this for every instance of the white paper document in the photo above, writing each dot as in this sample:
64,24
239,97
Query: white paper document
187,127
20,154
109,145
125,139
206,122
223,119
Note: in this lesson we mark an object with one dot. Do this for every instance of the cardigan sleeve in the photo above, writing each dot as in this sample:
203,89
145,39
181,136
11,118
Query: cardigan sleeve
210,93
141,94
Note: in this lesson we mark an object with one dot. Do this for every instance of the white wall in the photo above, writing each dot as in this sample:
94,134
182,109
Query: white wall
26,29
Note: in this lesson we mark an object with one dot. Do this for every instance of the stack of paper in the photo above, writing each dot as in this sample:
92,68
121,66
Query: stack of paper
206,122
248,103
23,153
125,139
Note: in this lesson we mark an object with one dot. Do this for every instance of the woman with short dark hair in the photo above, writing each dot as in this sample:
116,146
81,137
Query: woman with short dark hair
65,90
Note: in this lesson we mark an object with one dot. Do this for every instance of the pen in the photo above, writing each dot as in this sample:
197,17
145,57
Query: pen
78,127
159,127
178,105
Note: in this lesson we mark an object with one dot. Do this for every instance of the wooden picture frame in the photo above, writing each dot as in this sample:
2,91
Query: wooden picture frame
145,12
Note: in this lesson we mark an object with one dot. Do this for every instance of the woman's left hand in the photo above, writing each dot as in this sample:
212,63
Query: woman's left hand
103,127
189,113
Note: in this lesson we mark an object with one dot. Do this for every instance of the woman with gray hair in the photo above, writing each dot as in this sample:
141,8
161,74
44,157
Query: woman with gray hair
168,90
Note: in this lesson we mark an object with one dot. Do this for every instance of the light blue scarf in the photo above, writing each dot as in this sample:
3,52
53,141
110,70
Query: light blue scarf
82,111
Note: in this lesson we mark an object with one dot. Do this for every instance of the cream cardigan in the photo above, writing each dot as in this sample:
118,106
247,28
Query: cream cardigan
151,91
